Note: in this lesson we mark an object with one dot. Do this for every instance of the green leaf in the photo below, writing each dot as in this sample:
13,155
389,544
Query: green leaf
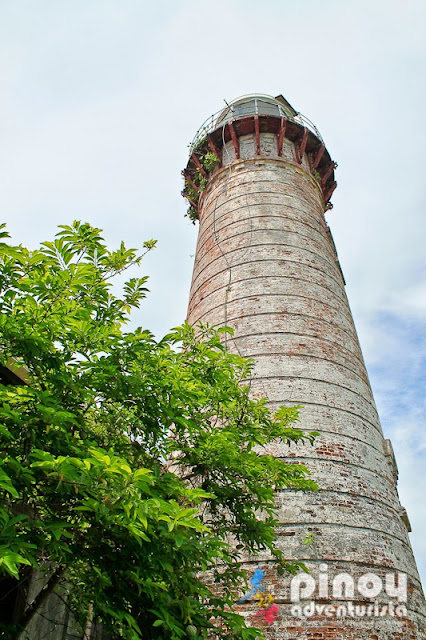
130,461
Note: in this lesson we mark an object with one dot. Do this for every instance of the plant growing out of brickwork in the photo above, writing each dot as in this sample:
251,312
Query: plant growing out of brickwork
126,462
197,182
210,160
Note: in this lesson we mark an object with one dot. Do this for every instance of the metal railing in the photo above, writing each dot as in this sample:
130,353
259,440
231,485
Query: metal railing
251,106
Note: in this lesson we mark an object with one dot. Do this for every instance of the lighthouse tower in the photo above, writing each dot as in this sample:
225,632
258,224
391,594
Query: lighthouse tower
259,179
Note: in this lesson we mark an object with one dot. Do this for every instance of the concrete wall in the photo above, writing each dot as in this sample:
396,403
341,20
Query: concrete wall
54,620
266,265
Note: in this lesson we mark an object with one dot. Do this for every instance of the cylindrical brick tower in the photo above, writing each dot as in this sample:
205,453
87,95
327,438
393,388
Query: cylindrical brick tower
259,180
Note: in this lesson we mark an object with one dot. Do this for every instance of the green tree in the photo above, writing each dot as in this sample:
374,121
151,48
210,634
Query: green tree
127,463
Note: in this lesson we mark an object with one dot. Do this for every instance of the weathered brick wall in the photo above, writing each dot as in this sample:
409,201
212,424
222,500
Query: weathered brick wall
266,265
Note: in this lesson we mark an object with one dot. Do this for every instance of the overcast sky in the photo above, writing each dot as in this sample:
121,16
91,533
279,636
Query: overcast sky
100,99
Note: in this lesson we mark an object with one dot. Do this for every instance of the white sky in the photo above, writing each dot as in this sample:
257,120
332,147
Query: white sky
100,100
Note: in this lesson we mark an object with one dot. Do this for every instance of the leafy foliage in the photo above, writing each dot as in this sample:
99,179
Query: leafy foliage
126,463
208,160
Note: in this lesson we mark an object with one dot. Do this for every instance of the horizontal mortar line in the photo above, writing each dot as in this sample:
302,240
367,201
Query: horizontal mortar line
304,355
197,275
337,495
327,382
257,165
284,293
260,161
236,182
326,406
233,200
327,246
331,561
342,526
224,304
307,403
227,286
227,199
329,620
321,431
296,622
338,525
341,296
336,603
319,229
352,494
297,315
282,259
320,236
242,177
341,299
220,196
330,259
259,334
301,355
322,233
330,459
323,259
